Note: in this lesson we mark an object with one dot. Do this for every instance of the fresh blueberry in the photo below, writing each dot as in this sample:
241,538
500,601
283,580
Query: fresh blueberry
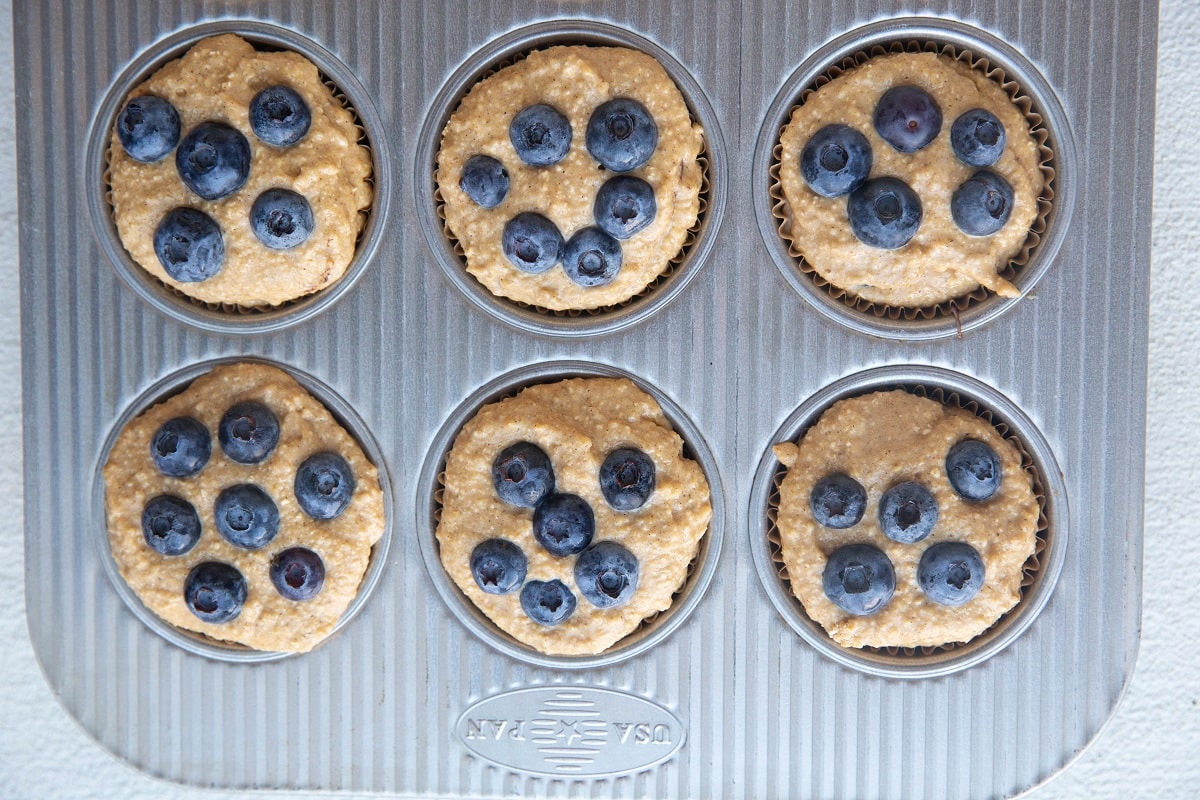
907,512
246,516
973,469
982,205
859,579
324,484
298,573
884,213
627,479
148,128
181,447
606,574
281,219
836,161
907,118
171,525
838,501
213,160
279,116
621,134
540,135
591,257
215,592
950,573
522,474
189,245
547,602
248,432
532,242
484,180
564,524
624,205
977,138
498,566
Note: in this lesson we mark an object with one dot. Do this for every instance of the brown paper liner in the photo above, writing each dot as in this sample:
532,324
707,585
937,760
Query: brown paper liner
236,309
673,264
1029,571
954,306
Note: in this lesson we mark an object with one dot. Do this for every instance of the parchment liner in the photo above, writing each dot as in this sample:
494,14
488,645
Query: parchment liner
654,628
1029,93
192,641
1039,572
506,51
232,317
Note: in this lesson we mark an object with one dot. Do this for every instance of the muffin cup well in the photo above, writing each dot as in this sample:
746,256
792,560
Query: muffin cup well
654,628
1029,92
1039,573
232,317
505,51
198,643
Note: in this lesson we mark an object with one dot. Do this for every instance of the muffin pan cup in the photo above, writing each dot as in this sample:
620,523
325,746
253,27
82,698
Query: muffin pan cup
731,692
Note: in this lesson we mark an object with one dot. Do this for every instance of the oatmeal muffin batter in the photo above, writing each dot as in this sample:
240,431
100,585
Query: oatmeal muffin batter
570,513
211,95
941,261
577,84
284,502
886,444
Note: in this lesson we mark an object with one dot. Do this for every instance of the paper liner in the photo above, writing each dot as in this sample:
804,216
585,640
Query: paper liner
952,307
235,309
673,264
1029,571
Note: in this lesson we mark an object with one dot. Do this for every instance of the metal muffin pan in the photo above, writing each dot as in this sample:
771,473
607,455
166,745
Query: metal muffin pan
408,700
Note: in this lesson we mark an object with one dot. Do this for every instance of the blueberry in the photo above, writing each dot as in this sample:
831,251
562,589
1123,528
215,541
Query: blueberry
973,469
907,118
298,573
171,525
859,579
522,474
950,573
621,134
838,501
532,242
977,138
540,135
215,592
189,245
148,128
982,205
606,574
281,219
324,484
591,257
248,432
624,205
564,524
246,516
836,161
884,213
907,512
547,602
627,479
213,160
279,116
181,447
498,566
484,180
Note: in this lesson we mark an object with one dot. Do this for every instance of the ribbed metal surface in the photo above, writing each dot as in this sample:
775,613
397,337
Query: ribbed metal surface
374,709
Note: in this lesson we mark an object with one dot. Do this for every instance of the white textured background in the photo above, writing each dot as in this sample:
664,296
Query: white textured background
1151,747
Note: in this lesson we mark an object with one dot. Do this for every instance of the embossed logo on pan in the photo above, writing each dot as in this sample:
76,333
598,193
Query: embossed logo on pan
570,731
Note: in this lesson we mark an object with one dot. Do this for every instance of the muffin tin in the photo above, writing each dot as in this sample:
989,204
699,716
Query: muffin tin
728,695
